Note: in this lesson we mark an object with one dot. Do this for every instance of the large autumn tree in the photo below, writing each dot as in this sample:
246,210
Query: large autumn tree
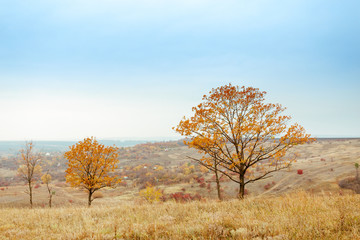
91,165
237,132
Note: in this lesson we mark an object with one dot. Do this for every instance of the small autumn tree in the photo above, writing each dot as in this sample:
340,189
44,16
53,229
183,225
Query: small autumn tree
46,179
91,165
234,128
29,168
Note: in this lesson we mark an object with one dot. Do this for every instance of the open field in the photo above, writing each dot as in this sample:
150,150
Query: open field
296,216
307,206
324,163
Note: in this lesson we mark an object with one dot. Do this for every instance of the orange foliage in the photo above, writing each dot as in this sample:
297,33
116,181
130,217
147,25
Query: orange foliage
90,166
234,127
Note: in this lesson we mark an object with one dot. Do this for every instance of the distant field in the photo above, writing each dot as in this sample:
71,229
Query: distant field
324,164
55,146
297,216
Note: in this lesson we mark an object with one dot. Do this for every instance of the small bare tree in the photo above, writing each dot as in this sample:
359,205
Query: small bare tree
212,164
46,179
29,167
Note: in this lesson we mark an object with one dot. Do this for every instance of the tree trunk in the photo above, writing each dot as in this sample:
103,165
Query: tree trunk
50,194
30,195
242,187
218,184
89,199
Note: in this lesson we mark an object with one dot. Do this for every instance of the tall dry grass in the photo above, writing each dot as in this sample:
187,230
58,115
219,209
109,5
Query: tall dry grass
296,216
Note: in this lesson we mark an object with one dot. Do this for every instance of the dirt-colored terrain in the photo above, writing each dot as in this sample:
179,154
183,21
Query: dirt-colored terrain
324,163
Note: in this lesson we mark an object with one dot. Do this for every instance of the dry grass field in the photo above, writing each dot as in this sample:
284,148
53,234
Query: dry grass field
292,216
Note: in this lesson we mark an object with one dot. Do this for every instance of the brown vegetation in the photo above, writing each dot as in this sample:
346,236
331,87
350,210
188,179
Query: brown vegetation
350,183
296,216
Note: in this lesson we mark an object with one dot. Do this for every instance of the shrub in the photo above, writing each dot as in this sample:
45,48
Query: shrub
183,197
350,183
151,194
200,179
269,185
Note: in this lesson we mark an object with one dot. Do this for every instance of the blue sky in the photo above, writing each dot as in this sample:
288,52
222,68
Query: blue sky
132,69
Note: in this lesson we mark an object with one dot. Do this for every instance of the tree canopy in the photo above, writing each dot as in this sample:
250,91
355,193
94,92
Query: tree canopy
91,165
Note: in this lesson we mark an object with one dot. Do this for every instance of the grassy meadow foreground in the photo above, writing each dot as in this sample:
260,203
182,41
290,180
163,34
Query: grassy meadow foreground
293,216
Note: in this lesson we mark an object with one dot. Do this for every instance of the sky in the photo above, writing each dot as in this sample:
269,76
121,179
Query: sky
131,69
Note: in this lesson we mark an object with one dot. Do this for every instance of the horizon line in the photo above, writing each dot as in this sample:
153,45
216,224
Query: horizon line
155,139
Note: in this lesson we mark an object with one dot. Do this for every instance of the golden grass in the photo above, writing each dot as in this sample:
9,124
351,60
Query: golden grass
295,216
